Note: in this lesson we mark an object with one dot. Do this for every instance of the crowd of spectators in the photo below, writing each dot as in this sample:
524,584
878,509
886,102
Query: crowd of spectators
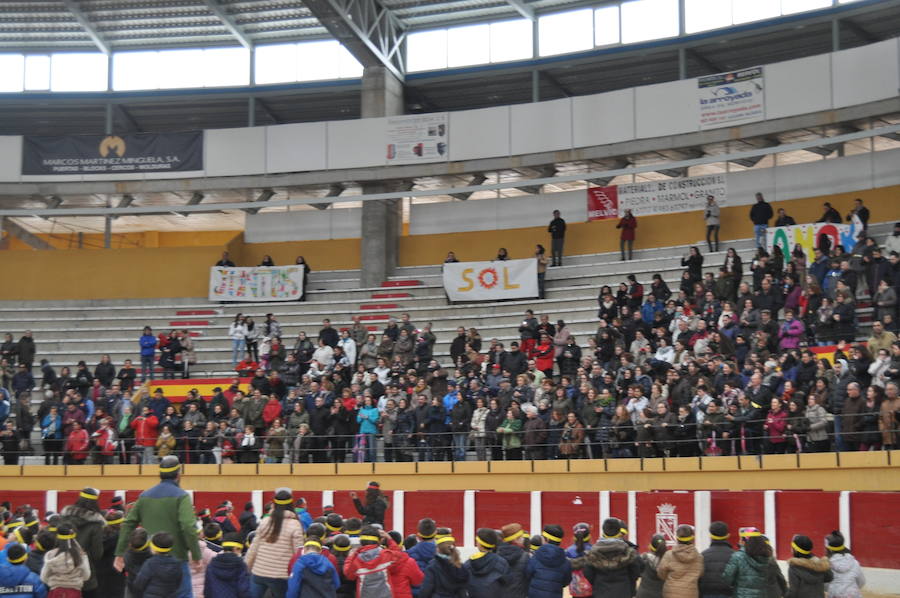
725,364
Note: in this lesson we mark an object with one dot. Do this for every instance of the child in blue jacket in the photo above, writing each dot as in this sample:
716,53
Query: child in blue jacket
227,575
17,580
549,571
313,575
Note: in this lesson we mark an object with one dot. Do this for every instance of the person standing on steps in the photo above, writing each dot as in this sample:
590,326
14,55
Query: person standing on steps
628,223
760,214
711,217
557,230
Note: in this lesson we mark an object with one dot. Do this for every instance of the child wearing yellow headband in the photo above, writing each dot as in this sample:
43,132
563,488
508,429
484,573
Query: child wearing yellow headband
161,574
66,567
487,570
227,575
313,571
15,578
681,568
549,571
807,573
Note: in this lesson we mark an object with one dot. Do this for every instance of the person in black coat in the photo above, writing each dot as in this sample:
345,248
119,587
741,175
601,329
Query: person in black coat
549,571
110,583
612,566
160,576
376,504
694,264
512,550
445,577
487,571
226,574
714,560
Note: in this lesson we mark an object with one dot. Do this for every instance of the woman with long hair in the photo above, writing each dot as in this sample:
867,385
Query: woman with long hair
651,585
66,571
748,570
445,576
237,331
376,504
85,520
277,538
301,261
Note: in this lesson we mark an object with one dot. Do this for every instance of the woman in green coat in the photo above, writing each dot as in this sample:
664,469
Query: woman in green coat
748,569
512,442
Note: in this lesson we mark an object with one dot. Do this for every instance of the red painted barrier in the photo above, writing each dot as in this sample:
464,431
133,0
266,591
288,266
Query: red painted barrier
496,509
196,312
374,317
568,508
874,529
401,283
738,509
661,513
390,295
188,323
379,306
812,514
421,504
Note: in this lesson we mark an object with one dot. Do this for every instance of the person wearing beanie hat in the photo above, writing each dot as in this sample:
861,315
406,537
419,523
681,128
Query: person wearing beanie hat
227,575
313,575
512,549
681,568
376,504
651,585
714,560
486,569
807,573
89,523
612,566
582,535
16,579
549,571
165,507
272,549
848,575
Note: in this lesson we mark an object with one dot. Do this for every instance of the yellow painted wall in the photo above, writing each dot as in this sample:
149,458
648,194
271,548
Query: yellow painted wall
874,471
148,239
175,264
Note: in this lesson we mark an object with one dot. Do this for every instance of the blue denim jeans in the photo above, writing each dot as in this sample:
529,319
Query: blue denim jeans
759,234
237,350
185,590
147,365
276,587
459,446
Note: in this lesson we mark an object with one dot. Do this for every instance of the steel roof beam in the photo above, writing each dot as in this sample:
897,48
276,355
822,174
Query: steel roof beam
369,31
522,8
229,23
72,7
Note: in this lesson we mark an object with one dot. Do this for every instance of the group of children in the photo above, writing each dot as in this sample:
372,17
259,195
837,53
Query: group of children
290,555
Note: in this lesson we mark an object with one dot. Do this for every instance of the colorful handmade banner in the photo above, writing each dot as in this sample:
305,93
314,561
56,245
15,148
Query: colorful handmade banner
807,237
265,283
480,281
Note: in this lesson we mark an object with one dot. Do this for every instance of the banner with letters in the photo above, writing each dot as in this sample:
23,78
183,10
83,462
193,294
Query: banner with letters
807,236
264,283
728,99
113,154
418,138
482,281
656,197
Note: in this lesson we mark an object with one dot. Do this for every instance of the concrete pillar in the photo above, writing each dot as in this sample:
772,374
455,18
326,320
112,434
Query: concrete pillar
382,95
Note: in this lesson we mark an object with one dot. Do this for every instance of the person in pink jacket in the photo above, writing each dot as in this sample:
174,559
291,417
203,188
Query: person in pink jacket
790,332
210,533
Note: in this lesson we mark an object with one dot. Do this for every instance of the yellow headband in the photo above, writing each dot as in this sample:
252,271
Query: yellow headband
551,537
232,545
332,528
370,538
800,550
835,548
514,537
14,524
623,531
353,532
39,546
66,536
169,469
156,548
340,548
750,534
144,547
427,537
282,501
115,521
313,543
32,523
18,534
686,539
216,537
21,559
88,495
446,539
725,537
485,544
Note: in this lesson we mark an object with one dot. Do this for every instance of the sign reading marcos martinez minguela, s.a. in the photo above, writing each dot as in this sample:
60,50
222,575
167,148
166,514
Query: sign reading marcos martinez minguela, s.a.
113,154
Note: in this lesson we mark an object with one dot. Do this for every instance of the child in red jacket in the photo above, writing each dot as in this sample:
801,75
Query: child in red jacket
381,569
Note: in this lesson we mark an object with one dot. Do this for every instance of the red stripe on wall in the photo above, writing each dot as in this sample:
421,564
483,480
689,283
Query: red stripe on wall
568,508
421,504
874,528
812,514
496,509
737,510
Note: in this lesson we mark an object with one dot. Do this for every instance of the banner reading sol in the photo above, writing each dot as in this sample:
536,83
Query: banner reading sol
266,283
480,281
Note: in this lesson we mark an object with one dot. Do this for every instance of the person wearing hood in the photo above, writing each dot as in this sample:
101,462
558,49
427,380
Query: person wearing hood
210,534
513,551
714,560
807,573
85,518
313,575
487,570
848,578
681,568
747,570
548,571
227,575
17,580
445,577
651,585
612,566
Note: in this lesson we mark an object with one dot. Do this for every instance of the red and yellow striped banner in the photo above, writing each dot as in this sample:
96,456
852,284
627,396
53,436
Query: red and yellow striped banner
177,390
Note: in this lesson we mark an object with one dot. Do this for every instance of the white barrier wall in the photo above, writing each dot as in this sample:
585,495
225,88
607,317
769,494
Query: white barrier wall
829,81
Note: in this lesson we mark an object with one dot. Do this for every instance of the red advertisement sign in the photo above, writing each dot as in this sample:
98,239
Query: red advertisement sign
603,203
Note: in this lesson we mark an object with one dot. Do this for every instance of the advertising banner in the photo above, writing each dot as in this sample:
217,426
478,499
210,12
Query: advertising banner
671,195
418,138
113,154
481,281
807,236
603,203
734,98
265,283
